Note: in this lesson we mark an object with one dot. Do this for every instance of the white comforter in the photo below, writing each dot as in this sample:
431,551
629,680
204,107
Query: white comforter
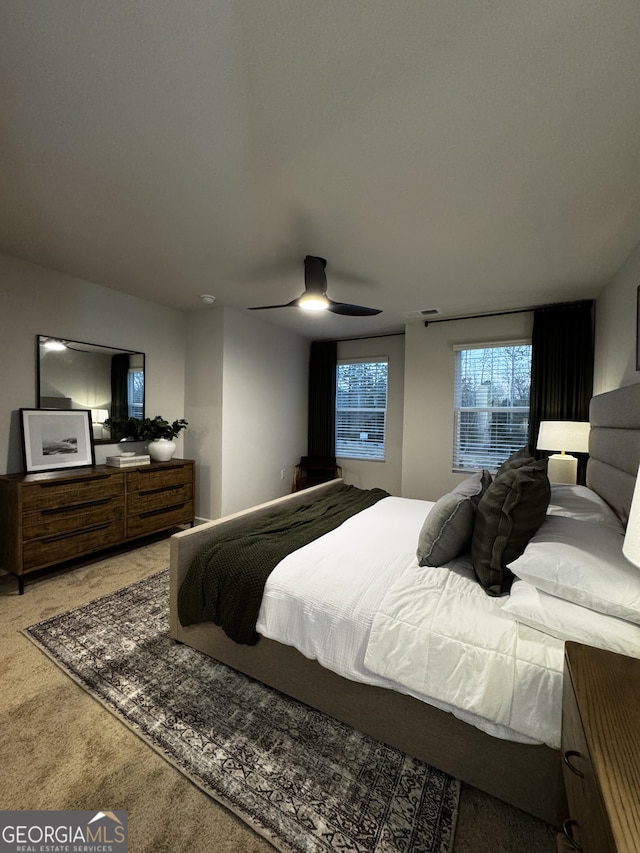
357,601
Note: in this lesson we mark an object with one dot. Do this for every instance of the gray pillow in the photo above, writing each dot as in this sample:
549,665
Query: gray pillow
448,528
509,513
474,486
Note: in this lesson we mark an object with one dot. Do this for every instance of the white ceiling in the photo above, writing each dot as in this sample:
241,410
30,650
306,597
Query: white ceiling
464,155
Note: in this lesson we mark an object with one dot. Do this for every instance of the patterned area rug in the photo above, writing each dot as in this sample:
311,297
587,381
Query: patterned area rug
298,777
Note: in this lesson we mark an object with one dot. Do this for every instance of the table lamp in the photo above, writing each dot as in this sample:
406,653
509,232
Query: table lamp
98,417
562,436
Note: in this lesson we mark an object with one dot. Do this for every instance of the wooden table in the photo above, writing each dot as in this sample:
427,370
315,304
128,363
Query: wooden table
601,749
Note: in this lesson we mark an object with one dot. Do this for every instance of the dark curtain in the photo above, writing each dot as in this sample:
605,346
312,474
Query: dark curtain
562,346
119,396
322,398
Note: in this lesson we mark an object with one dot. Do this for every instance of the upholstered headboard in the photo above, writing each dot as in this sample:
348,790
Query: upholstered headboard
614,446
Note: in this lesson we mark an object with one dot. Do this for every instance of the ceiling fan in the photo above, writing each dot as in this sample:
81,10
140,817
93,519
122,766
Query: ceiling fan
315,296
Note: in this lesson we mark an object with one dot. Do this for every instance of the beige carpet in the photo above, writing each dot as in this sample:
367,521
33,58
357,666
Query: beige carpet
60,749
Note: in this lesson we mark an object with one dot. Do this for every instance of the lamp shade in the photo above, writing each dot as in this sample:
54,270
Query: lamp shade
564,435
631,545
99,416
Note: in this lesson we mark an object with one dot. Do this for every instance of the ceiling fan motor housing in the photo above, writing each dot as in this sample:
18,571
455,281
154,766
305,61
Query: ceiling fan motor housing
315,278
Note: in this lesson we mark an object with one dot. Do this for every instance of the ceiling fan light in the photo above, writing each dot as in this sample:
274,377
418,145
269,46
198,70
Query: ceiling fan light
313,302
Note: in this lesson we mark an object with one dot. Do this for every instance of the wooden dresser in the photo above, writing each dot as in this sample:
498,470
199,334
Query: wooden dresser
601,750
48,518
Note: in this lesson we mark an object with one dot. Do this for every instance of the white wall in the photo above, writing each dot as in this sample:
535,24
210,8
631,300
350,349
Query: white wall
203,406
368,474
428,396
36,301
616,319
264,409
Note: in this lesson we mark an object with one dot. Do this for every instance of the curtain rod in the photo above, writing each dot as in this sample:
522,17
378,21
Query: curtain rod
513,311
367,337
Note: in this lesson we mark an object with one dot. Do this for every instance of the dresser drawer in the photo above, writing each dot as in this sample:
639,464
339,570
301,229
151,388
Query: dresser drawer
588,825
146,479
50,522
159,519
148,500
52,495
38,553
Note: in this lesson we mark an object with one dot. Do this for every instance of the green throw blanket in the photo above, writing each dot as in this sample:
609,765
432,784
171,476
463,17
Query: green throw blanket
225,581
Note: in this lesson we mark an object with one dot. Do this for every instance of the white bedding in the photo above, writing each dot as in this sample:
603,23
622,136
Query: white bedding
440,634
324,607
369,616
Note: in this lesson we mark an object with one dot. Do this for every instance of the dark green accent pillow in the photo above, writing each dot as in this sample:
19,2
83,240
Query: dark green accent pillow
509,513
448,528
517,458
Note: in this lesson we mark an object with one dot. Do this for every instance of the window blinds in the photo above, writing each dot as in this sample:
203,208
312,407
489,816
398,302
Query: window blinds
361,408
491,403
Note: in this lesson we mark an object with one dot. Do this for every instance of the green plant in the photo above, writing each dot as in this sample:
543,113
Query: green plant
125,428
158,427
144,429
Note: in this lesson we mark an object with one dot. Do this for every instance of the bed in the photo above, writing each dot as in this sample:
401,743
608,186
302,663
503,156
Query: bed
486,740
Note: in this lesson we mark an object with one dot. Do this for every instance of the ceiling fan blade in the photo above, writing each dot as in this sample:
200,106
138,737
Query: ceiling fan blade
352,310
266,307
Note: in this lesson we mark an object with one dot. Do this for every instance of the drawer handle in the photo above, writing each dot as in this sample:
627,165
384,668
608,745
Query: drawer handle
92,479
75,507
568,827
145,492
77,532
165,467
160,511
567,756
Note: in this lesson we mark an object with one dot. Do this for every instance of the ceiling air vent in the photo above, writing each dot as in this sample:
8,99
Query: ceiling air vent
421,315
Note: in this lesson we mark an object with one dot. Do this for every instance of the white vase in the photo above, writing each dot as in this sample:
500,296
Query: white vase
161,449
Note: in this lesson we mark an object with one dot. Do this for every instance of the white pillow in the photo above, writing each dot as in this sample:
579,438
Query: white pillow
568,621
583,563
583,504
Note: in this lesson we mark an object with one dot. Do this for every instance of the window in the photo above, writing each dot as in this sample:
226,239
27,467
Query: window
361,408
135,392
491,403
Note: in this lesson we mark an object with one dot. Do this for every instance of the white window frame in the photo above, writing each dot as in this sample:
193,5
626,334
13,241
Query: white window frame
488,459
374,451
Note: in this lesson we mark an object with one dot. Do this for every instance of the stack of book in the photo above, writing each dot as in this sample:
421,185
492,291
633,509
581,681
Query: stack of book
128,461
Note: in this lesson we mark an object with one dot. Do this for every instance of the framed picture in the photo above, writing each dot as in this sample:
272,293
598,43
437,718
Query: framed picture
54,439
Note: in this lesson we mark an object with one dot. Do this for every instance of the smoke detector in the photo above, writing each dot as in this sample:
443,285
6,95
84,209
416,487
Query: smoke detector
207,298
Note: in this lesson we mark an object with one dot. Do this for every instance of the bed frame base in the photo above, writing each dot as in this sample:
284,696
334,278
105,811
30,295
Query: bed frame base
528,777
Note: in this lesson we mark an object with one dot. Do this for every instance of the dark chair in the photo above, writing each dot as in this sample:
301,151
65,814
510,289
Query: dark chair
312,470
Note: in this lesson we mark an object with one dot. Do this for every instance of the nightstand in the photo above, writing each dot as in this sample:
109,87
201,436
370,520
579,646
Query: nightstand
601,750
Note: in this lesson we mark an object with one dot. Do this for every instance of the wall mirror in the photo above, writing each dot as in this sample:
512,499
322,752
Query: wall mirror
76,375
